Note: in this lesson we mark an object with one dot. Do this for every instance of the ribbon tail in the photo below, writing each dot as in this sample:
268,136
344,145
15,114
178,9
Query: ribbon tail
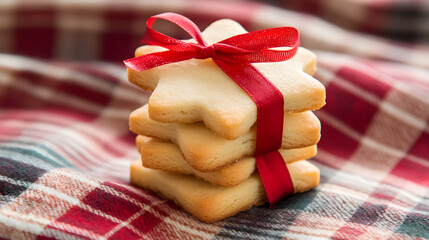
148,61
275,176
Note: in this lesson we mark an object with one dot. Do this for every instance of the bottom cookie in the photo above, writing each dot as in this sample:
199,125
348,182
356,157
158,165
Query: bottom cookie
210,203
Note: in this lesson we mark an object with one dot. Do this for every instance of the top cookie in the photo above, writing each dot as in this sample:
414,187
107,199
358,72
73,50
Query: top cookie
197,90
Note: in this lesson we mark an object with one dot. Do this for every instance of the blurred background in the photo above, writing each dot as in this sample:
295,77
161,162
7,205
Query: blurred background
110,30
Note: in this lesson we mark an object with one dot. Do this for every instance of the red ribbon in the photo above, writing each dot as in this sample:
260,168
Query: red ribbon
234,55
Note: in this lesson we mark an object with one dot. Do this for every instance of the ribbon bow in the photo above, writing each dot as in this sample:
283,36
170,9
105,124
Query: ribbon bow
234,56
244,48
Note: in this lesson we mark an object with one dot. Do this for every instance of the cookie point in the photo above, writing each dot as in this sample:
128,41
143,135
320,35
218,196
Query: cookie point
222,29
226,22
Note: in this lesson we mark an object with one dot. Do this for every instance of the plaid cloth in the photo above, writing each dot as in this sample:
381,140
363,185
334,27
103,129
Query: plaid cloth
110,30
395,19
65,147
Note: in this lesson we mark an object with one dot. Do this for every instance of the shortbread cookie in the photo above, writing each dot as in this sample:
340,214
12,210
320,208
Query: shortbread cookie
211,203
205,151
197,90
166,156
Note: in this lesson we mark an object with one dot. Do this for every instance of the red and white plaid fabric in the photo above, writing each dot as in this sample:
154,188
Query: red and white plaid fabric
65,147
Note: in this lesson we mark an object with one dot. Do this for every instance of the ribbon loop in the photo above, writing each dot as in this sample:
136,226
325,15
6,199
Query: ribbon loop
156,38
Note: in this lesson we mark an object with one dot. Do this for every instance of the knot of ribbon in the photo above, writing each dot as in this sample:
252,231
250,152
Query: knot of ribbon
206,52
234,56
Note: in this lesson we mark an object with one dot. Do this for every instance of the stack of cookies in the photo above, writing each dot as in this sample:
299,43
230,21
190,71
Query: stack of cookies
197,134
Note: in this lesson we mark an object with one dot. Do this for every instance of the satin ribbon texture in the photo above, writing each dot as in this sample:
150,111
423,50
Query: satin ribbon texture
234,56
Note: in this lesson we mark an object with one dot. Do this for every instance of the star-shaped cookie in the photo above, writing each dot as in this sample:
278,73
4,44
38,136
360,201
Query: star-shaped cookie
211,203
206,151
162,155
197,90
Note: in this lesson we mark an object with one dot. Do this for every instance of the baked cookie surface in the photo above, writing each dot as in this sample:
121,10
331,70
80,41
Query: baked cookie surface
210,203
166,156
